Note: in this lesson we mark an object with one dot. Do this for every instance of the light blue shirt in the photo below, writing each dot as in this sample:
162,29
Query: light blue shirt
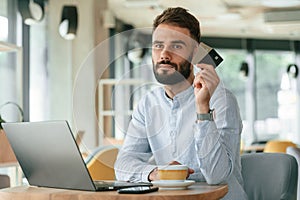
165,130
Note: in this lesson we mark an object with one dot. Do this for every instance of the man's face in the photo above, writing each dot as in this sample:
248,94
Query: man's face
172,52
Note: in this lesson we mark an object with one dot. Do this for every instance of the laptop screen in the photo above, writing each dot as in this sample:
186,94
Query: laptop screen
48,154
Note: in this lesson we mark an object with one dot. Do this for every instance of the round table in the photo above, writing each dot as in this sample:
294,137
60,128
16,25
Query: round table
199,191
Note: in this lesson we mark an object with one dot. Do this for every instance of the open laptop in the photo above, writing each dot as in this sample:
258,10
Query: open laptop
49,157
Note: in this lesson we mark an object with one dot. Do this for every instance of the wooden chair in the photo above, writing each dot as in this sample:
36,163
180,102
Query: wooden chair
101,163
278,146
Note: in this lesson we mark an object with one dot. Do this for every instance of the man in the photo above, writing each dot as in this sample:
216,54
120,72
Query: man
174,123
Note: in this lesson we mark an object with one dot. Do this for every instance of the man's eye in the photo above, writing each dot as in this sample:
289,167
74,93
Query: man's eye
157,46
176,46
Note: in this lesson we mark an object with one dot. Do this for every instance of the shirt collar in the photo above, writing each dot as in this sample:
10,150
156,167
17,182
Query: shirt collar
182,96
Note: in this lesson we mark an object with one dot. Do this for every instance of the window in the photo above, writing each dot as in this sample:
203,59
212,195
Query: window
275,96
230,75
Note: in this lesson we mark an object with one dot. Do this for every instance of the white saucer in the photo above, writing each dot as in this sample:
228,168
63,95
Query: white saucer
173,185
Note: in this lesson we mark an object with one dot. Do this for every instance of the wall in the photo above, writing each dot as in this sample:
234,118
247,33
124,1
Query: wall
72,69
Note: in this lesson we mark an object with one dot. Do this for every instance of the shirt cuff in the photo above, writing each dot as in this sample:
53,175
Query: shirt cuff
146,172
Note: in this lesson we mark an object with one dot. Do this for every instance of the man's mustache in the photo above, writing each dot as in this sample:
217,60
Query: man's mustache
167,62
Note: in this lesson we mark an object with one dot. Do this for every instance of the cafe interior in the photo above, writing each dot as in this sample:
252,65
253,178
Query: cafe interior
89,62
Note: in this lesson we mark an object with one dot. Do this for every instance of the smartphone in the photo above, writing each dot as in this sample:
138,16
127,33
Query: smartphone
137,190
207,55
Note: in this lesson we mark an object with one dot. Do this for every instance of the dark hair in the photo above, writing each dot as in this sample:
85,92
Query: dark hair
179,17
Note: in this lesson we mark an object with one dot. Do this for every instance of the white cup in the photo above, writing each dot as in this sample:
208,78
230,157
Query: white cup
171,173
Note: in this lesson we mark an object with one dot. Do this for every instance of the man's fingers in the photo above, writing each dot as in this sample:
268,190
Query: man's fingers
174,163
191,171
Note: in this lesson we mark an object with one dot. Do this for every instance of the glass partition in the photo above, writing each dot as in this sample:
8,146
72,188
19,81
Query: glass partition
276,96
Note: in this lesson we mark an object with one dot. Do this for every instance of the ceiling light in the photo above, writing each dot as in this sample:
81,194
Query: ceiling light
32,11
244,69
137,46
68,23
282,16
280,3
293,70
140,3
229,16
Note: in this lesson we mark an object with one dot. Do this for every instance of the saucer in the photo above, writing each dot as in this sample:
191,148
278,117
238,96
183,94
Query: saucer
169,185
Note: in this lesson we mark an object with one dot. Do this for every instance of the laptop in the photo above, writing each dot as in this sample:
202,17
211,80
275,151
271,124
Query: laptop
49,157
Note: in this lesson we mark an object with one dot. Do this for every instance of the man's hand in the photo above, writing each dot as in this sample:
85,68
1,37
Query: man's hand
190,171
205,83
153,176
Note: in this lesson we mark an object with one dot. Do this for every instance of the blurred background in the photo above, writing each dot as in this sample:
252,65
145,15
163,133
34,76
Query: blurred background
89,62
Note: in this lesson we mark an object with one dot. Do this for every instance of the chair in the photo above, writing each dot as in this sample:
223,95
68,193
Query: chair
101,163
295,151
270,176
278,146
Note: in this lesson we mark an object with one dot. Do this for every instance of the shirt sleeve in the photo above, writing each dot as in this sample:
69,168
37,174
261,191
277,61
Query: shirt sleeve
217,142
132,161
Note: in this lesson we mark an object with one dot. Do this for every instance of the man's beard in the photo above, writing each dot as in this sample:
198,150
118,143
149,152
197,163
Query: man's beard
177,76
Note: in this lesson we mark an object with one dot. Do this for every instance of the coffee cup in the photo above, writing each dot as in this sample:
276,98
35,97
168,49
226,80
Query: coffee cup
175,173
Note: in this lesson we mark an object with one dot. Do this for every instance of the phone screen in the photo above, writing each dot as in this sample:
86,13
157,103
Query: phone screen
137,190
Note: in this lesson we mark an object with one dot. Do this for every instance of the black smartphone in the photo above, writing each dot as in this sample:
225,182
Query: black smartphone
207,55
137,190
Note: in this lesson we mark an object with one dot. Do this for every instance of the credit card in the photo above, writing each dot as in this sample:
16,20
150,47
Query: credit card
207,55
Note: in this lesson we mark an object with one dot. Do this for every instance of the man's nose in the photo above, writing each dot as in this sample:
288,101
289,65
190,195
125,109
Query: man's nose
165,54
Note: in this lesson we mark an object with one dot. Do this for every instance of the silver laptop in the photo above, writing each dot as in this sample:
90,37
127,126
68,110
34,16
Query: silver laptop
49,157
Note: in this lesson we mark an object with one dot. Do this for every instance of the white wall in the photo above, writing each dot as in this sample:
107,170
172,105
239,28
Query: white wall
71,64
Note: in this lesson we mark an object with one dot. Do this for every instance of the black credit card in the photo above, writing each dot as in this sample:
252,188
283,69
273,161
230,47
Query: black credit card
207,55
